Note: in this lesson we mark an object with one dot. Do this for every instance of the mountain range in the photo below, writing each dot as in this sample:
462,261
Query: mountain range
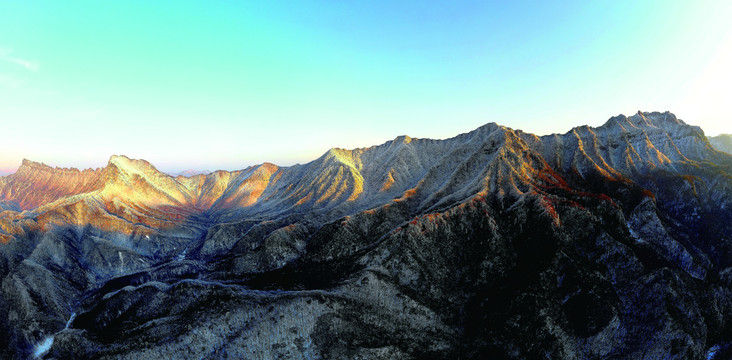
606,242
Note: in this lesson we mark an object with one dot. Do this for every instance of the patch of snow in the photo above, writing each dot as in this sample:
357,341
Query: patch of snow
43,347
635,235
712,351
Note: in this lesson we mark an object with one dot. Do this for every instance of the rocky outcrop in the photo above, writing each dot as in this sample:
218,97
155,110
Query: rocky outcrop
608,242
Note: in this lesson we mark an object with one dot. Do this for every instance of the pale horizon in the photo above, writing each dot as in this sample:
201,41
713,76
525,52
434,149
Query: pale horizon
224,86
177,170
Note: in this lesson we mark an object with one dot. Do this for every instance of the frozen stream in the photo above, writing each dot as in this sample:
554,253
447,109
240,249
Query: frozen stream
43,347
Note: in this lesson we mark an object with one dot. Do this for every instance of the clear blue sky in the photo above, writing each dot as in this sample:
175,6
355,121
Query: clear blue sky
228,84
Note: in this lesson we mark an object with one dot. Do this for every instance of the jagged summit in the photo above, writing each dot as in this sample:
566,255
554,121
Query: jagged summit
482,131
126,164
644,121
30,163
402,139
624,146
35,184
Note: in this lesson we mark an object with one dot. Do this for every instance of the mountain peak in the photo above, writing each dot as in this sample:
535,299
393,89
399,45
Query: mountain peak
116,157
489,127
124,163
35,184
646,120
32,164
138,182
657,119
402,139
120,160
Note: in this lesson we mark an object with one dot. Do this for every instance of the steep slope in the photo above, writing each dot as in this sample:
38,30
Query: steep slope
424,174
608,242
141,183
243,190
137,192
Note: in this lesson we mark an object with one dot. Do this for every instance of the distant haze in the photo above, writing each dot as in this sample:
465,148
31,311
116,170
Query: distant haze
224,85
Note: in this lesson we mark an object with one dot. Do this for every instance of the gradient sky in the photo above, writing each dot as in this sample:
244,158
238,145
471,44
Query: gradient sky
227,84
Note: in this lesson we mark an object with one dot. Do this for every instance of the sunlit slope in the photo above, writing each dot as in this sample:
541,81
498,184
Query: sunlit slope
436,172
35,184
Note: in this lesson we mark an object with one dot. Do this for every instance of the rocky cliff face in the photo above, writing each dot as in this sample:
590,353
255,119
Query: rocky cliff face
608,242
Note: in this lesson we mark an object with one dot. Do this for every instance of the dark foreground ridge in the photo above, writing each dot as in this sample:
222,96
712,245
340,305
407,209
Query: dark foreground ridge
604,243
